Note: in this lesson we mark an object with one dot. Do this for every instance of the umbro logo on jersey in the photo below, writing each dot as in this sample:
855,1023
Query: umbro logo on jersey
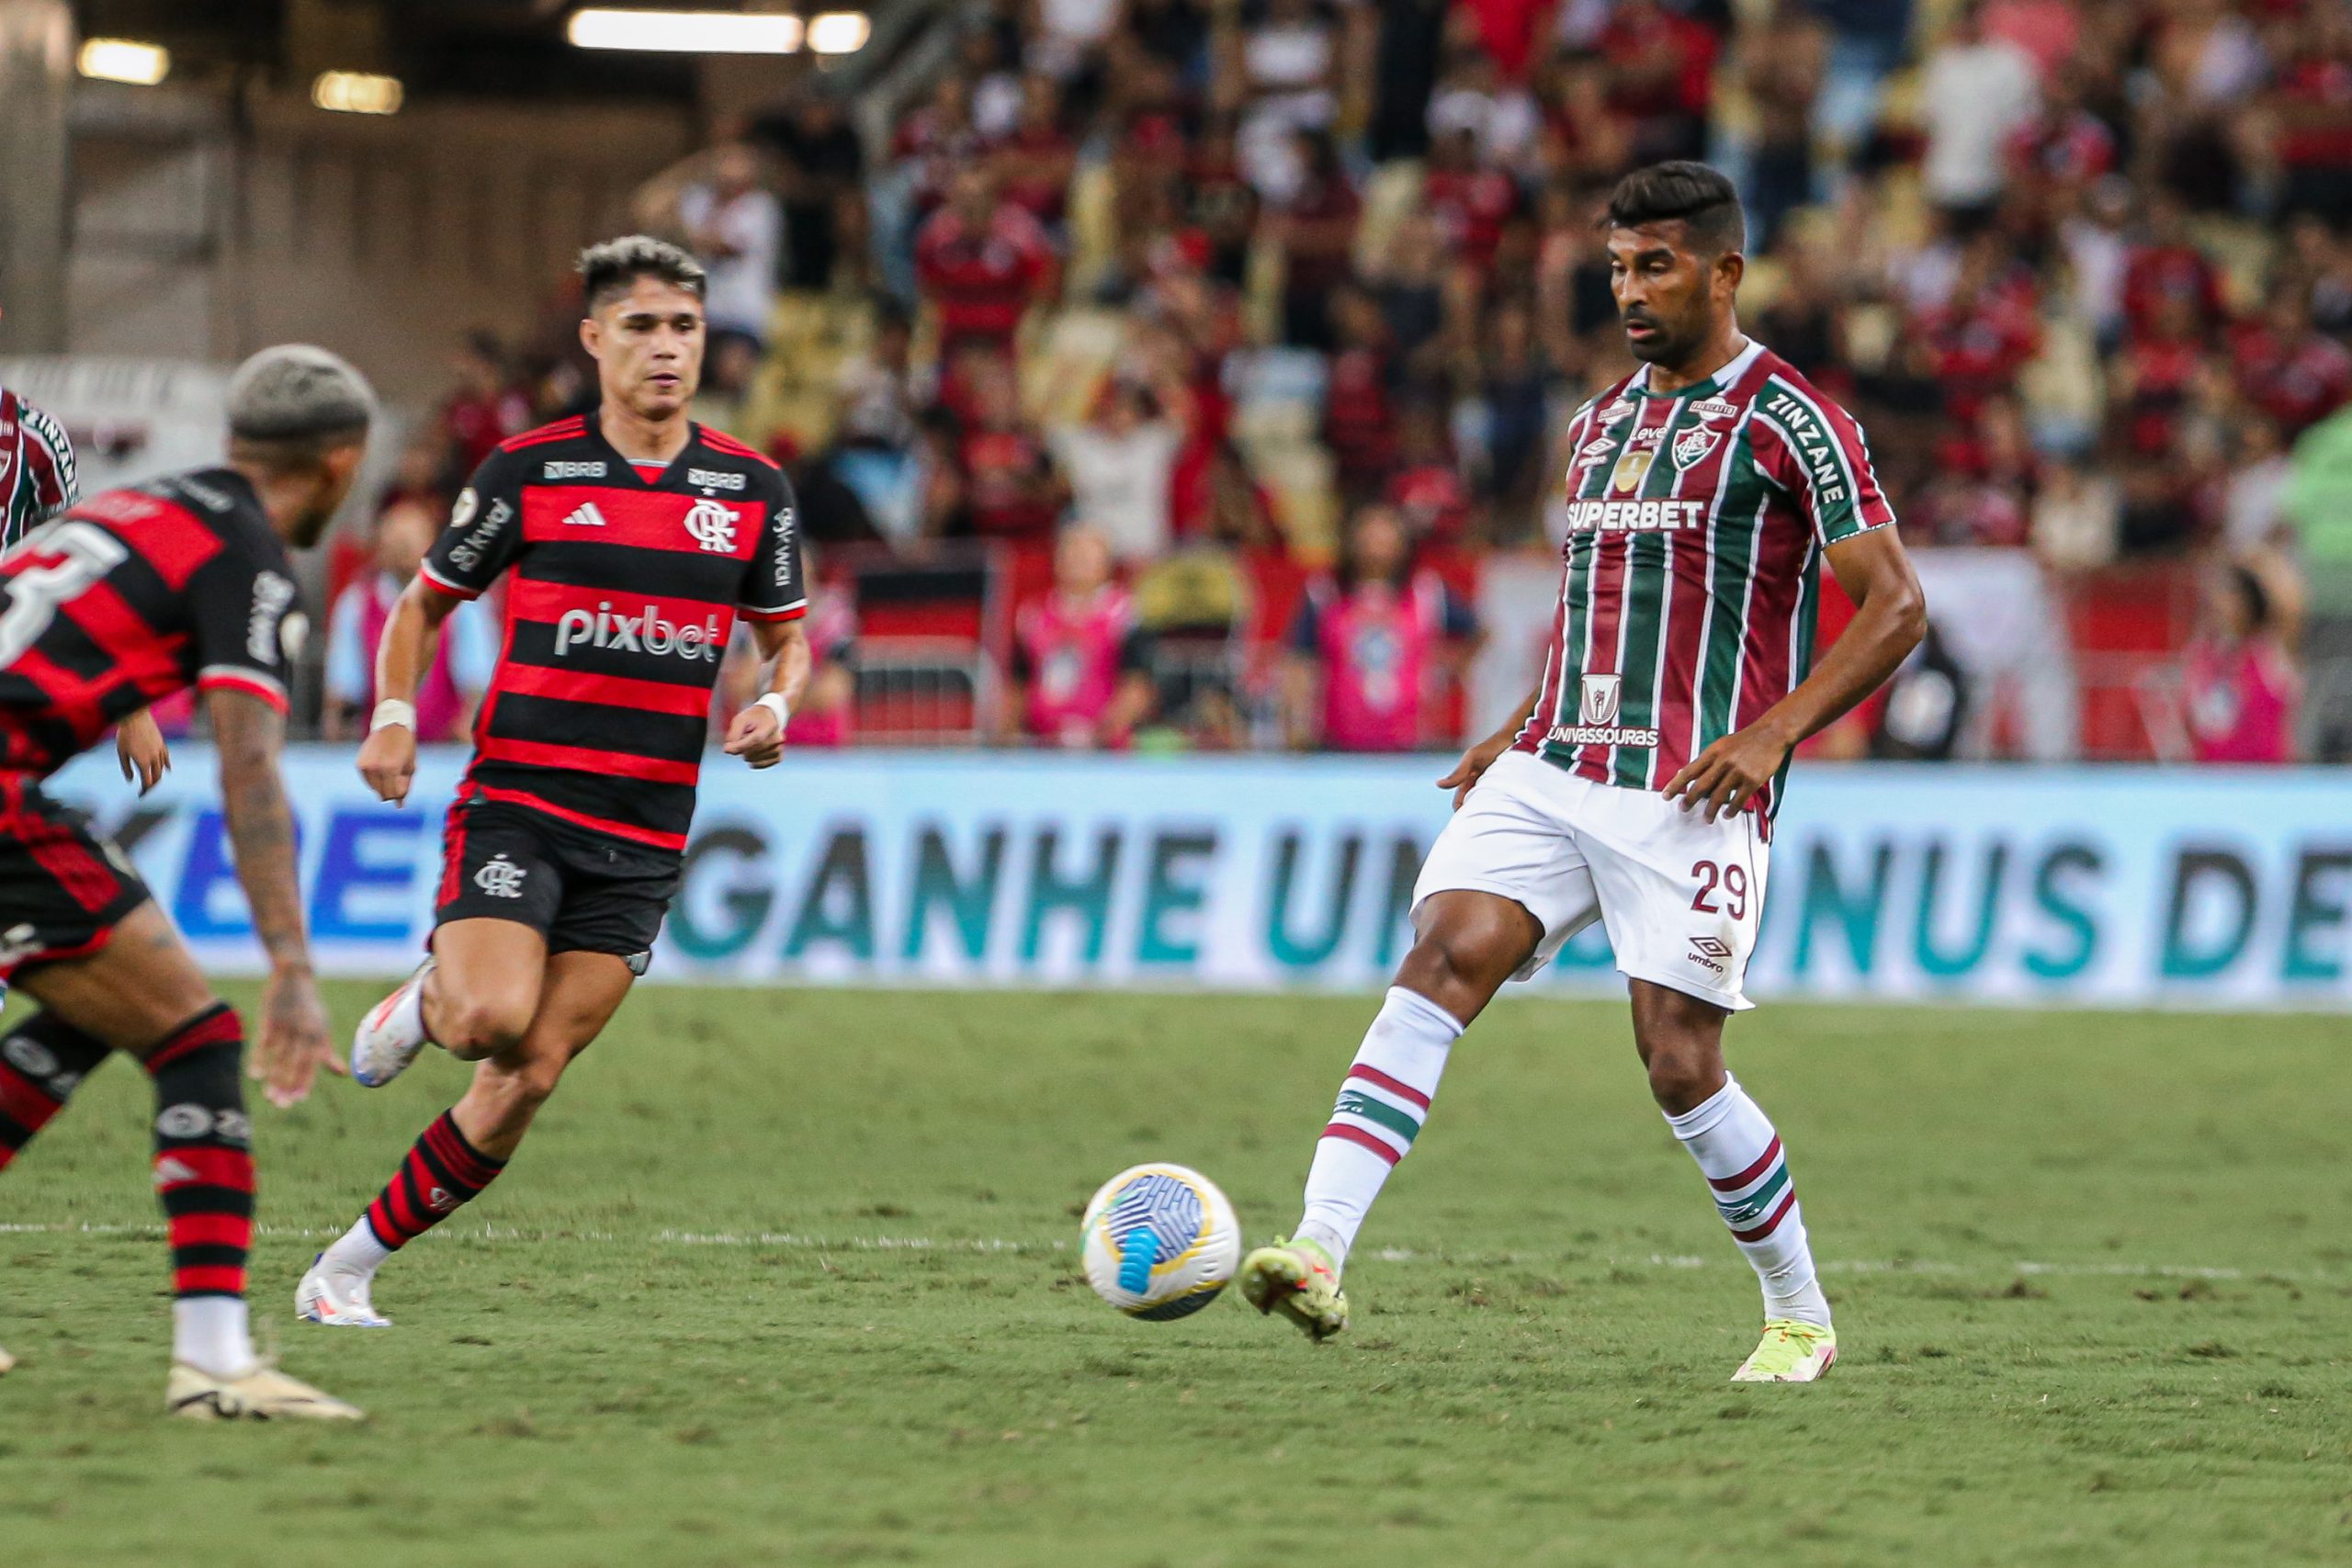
713,527
562,470
1591,451
585,515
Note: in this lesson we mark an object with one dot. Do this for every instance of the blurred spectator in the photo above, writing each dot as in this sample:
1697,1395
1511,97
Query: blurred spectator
1079,679
1924,710
736,227
1370,644
1357,424
1120,462
463,659
1978,92
822,162
484,409
1316,230
2239,687
1284,62
1010,489
982,264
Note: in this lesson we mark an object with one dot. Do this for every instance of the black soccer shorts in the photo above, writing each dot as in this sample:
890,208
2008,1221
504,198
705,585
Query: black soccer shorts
62,888
583,891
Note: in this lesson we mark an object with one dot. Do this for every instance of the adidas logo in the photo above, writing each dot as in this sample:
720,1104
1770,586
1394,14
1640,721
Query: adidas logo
585,515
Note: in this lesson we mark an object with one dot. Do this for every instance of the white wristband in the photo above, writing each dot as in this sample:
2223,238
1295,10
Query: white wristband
391,711
774,701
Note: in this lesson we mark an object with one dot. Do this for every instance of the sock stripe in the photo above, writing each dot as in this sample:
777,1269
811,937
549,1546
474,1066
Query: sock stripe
1397,1086
1763,1163
1742,1211
1378,1112
212,1280
1769,1226
1355,1134
203,1166
24,1101
439,1163
218,1025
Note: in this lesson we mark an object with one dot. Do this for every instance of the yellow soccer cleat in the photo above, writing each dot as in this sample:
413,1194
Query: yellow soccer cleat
1296,1279
1792,1352
263,1393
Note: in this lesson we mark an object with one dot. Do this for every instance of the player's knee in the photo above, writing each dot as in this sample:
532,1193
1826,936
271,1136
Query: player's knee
1683,1075
480,1027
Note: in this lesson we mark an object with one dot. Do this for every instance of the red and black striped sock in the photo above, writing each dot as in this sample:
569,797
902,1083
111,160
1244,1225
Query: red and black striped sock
441,1172
204,1163
42,1061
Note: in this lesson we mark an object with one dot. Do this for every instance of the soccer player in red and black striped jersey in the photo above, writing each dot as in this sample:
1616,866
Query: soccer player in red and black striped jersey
632,539
1637,785
133,596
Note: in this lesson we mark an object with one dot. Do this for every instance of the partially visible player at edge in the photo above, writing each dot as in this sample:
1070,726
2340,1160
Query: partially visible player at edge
1637,785
127,598
632,537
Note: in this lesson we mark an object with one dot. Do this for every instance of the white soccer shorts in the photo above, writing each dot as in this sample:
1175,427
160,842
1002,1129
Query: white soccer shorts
1681,897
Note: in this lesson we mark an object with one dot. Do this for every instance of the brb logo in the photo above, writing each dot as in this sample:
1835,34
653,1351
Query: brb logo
712,524
648,633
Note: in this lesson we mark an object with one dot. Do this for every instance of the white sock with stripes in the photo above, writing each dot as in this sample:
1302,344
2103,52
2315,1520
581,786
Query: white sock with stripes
1740,1156
1380,1112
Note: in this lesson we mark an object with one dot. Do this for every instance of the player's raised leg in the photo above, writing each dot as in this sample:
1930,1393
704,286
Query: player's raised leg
140,993
520,1036
1681,1040
1465,946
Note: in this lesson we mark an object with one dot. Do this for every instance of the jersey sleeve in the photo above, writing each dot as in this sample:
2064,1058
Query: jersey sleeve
485,532
772,587
1823,460
51,468
246,629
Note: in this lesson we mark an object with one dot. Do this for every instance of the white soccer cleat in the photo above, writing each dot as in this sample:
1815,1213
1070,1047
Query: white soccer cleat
264,1394
391,1035
337,1298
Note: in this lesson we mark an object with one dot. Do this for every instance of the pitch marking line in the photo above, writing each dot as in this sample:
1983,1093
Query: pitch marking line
792,1241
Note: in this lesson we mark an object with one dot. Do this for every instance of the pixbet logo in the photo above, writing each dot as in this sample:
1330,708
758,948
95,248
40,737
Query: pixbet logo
648,633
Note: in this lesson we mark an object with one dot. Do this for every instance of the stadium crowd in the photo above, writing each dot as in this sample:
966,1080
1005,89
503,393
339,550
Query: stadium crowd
1235,336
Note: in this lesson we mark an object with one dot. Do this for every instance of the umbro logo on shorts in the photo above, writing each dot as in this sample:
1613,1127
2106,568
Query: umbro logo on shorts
1707,952
585,515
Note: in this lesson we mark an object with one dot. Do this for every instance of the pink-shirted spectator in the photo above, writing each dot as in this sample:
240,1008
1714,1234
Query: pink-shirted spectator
1369,644
462,662
2240,691
1076,664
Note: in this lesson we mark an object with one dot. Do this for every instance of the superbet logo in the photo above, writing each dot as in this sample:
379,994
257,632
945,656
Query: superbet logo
648,633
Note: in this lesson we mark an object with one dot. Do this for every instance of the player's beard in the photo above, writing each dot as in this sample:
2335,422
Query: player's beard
1665,345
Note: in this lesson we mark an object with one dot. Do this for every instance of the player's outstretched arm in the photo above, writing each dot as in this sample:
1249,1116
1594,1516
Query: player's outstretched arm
411,633
757,733
292,1042
1479,758
1890,617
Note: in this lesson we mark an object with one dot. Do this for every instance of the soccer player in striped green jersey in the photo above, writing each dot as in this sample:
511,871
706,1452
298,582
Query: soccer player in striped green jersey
1638,784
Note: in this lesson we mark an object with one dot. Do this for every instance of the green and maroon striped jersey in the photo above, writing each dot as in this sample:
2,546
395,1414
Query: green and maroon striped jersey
37,479
1696,523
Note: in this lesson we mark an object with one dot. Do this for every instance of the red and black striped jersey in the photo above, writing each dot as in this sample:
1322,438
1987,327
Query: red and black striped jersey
37,479
131,596
625,586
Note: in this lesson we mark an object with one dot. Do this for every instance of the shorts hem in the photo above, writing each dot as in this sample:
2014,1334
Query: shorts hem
1730,1001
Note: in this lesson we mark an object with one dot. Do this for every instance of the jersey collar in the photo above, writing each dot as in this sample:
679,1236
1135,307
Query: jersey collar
595,428
1732,371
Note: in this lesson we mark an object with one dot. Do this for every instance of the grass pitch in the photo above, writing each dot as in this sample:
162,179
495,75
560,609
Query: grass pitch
788,1278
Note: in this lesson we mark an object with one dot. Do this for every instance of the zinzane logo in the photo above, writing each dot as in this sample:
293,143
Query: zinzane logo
715,478
713,527
648,633
501,878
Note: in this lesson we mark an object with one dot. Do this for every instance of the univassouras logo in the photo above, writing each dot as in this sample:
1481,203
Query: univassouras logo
648,633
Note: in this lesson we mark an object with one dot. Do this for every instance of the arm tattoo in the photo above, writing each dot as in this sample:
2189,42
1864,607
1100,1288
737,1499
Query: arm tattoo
249,734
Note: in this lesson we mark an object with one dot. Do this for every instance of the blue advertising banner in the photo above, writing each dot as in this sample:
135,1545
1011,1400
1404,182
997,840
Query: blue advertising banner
2212,888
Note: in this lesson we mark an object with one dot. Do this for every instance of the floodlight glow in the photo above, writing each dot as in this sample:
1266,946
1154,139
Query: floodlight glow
840,32
120,60
685,32
357,91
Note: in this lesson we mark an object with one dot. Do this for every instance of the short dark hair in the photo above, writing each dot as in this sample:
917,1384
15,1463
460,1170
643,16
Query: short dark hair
1693,194
290,405
609,268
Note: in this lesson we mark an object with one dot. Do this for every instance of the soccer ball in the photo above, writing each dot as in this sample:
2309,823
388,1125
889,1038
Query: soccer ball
1161,1242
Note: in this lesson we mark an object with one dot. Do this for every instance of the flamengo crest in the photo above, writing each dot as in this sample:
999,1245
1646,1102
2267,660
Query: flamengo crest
713,527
